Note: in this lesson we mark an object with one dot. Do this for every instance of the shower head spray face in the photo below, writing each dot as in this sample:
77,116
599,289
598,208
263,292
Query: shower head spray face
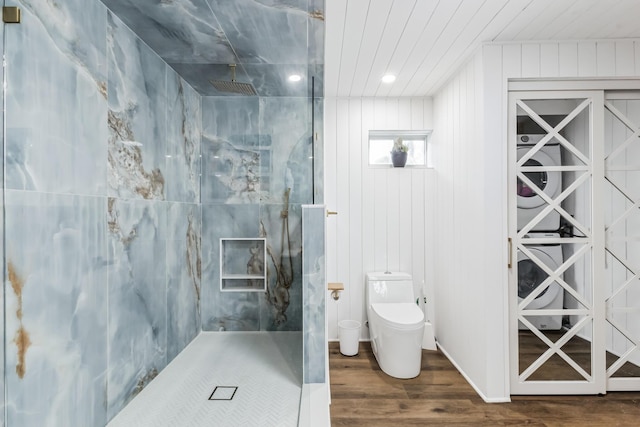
233,86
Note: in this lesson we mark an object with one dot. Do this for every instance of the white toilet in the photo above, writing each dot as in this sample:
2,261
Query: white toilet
396,323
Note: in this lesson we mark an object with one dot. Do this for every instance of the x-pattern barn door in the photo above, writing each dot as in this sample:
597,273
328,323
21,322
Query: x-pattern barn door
622,225
556,306
574,163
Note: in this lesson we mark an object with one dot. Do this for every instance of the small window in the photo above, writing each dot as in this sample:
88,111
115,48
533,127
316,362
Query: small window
381,143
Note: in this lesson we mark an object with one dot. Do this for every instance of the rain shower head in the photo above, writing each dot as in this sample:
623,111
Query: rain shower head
233,86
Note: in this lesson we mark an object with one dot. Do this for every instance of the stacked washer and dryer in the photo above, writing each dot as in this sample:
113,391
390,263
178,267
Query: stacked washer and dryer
530,275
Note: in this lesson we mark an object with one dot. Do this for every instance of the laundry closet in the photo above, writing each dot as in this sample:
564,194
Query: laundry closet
574,240
591,85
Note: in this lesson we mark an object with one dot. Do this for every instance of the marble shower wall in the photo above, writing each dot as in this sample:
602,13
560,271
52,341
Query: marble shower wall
56,309
102,214
314,294
255,152
268,40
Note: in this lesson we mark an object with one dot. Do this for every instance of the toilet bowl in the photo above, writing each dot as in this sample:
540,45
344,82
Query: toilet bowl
396,323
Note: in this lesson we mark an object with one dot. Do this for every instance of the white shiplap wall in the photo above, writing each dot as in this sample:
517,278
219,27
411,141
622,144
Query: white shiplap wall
385,215
471,136
463,304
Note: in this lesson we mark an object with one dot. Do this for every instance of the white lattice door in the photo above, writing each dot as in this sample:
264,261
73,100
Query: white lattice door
557,242
622,225
574,226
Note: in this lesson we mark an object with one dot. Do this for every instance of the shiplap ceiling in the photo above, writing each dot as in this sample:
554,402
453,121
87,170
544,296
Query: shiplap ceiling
423,42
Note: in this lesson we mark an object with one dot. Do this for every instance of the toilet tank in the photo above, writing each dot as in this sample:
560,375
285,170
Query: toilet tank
388,287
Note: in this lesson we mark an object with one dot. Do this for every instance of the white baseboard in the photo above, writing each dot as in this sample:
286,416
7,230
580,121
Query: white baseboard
471,383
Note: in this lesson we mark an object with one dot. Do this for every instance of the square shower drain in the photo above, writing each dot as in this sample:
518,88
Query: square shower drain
222,392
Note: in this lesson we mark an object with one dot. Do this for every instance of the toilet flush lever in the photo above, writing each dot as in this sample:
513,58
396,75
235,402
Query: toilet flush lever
331,213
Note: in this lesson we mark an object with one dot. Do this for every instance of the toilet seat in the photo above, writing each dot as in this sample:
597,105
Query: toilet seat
403,316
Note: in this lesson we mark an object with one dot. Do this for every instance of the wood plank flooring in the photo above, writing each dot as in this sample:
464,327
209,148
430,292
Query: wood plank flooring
362,395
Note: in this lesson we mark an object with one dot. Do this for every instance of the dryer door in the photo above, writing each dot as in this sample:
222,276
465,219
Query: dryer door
531,275
547,181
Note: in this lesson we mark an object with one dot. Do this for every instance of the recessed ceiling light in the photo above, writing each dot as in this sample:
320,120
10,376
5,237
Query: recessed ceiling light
294,78
388,78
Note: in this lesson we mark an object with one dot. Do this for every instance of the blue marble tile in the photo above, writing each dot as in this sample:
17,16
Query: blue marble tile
236,120
56,251
316,31
287,122
233,311
137,297
273,79
230,173
183,31
184,133
137,116
183,276
281,309
76,27
232,151
199,38
56,105
265,31
314,294
267,79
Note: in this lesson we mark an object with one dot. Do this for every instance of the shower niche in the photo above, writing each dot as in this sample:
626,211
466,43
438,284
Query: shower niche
242,265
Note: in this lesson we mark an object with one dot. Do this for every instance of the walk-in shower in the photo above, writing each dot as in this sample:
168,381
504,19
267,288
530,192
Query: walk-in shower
123,167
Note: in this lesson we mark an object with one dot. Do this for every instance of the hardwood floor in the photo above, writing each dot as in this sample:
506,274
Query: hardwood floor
362,395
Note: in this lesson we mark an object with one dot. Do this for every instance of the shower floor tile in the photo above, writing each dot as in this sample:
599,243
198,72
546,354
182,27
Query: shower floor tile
255,378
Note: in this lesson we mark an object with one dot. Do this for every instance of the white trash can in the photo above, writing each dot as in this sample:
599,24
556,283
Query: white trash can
349,336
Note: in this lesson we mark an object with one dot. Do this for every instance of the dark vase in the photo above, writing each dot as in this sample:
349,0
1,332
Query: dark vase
399,159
